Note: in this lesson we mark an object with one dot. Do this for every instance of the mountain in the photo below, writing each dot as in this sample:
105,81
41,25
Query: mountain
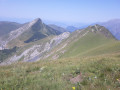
71,28
84,41
29,32
87,39
113,26
60,29
37,50
33,40
7,27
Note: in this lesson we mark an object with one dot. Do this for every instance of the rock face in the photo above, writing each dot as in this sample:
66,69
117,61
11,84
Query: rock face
39,51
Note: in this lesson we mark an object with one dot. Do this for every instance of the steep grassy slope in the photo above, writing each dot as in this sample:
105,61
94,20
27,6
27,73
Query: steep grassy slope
89,43
84,41
110,47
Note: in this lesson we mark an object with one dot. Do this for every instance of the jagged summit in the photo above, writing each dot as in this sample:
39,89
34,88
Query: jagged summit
37,20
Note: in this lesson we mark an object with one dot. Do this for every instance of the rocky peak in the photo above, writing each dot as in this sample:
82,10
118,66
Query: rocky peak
35,21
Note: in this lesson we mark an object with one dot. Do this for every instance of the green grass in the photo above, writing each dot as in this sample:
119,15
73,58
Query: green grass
54,75
89,42
111,47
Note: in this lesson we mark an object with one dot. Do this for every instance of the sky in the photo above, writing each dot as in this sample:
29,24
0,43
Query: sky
69,11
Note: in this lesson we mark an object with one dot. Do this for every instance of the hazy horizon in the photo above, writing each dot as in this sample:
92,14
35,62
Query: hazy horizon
64,11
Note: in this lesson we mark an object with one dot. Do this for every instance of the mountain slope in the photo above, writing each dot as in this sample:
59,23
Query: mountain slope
6,53
37,50
101,72
29,32
7,27
91,38
82,41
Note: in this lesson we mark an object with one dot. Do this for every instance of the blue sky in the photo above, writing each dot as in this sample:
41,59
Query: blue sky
72,11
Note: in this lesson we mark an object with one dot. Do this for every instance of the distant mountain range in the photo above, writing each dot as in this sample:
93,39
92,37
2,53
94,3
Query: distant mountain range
58,28
113,26
71,28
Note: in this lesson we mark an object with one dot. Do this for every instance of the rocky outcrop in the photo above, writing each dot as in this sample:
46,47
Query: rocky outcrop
39,51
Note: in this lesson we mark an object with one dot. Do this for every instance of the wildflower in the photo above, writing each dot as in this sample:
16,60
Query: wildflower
73,88
118,80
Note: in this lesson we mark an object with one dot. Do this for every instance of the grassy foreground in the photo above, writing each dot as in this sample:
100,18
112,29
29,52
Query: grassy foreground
98,73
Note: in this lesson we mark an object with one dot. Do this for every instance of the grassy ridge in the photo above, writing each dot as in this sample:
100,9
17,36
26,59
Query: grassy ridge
86,43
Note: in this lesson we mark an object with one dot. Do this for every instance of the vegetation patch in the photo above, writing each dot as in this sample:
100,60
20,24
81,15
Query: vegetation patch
4,54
